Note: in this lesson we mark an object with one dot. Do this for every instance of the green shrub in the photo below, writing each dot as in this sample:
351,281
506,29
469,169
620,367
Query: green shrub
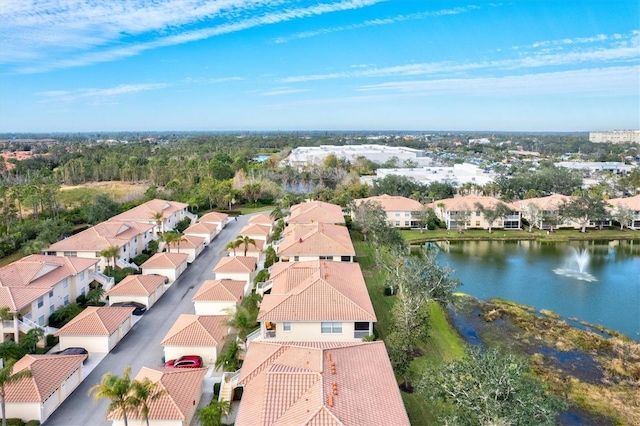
15,422
141,258
216,390
33,423
261,276
81,300
52,340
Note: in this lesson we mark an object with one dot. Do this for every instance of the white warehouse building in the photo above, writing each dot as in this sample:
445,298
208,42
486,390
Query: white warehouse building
459,174
315,155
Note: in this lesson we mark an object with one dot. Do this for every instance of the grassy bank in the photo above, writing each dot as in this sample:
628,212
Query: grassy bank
416,237
443,344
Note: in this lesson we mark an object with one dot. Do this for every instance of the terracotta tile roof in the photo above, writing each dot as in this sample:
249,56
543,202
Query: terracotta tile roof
42,271
197,330
220,290
137,285
189,241
391,203
258,246
303,294
323,239
550,203
291,383
214,217
183,386
48,372
144,212
466,203
255,229
94,320
201,228
316,211
632,203
236,264
16,298
102,236
261,219
165,260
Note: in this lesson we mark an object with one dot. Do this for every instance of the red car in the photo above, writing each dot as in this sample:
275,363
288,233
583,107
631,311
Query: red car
187,361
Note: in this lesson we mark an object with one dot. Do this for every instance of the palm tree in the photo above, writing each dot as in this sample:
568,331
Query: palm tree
245,240
110,253
94,295
11,350
144,393
158,217
7,377
117,389
232,245
276,213
229,358
212,414
173,237
243,322
31,339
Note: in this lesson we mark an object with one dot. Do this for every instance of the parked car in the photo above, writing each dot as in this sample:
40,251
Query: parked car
140,308
187,361
72,351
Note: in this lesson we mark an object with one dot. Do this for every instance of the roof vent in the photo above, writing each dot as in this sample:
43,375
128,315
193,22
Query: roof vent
328,356
335,388
330,400
333,367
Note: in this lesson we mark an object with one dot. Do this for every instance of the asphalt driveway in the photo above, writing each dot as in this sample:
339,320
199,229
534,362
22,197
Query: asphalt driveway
141,346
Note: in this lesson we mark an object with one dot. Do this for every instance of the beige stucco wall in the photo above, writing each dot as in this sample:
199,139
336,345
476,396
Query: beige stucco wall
124,298
172,274
214,308
309,331
208,353
238,276
207,236
250,253
23,410
91,343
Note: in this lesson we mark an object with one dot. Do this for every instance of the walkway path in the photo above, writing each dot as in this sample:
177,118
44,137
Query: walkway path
141,346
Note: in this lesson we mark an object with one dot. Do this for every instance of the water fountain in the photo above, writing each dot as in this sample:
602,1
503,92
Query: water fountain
575,265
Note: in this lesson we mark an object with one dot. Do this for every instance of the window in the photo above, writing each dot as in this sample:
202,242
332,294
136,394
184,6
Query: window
345,258
81,275
50,293
296,258
407,214
326,257
407,223
70,253
40,301
41,321
331,327
478,213
51,309
360,330
66,300
135,239
65,283
286,326
397,223
82,290
397,214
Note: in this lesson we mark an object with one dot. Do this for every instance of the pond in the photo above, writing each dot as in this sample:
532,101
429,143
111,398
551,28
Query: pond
593,281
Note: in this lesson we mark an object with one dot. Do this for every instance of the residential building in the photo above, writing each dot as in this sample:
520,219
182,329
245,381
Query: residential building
263,219
131,238
219,297
216,218
172,213
205,230
252,249
615,136
316,241
315,211
97,328
463,213
549,211
255,231
399,210
170,265
459,174
316,301
202,335
238,268
190,244
145,289
319,383
35,286
631,203
177,406
53,378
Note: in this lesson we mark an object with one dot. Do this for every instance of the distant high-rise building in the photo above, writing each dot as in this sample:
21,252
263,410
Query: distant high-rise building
615,136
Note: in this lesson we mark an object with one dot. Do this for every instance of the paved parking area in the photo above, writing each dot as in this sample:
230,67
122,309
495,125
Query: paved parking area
141,346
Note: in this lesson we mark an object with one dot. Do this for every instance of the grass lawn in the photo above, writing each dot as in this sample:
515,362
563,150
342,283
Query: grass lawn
78,195
248,208
414,236
11,258
443,343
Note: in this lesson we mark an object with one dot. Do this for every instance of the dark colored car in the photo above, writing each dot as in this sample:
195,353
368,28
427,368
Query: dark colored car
187,361
72,351
140,308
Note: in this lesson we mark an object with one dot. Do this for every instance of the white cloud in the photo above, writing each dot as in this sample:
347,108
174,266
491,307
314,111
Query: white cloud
613,81
34,34
376,22
283,91
94,95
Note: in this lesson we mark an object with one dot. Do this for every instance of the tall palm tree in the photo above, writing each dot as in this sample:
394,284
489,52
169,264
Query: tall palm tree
229,357
110,253
245,240
243,322
232,245
173,237
31,339
7,377
158,217
145,392
117,389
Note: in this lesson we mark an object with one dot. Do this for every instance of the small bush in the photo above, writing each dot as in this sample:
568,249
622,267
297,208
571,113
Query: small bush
81,300
141,258
261,276
52,340
216,390
33,423
15,422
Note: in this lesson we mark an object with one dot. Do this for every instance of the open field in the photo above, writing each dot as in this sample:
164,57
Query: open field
415,237
77,195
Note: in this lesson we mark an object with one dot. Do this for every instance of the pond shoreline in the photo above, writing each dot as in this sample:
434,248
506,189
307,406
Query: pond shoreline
540,238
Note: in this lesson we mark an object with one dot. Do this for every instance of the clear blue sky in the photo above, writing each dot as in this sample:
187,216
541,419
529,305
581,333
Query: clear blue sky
106,65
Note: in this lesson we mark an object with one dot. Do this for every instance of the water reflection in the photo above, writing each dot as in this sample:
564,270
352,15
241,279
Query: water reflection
523,271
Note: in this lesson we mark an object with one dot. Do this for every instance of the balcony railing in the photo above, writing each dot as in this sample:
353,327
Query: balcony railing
359,334
270,334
